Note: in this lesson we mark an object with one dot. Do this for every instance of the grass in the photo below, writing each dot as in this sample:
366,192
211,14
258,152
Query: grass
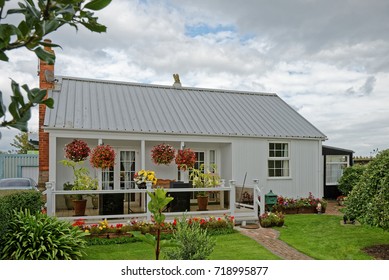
228,247
324,237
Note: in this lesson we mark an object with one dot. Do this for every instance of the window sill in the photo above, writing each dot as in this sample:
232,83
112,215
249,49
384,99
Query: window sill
279,178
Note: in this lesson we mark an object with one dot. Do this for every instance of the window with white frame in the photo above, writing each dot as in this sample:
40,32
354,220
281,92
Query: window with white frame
121,176
335,165
278,160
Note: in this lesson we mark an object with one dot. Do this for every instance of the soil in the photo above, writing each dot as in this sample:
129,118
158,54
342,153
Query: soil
379,252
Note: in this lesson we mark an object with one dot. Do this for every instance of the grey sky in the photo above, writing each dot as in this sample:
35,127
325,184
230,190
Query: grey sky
327,59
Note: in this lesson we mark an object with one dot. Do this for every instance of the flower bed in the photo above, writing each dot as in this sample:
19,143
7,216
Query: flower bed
270,219
305,205
105,230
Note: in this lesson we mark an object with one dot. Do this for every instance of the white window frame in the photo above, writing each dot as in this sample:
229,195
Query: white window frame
275,158
116,168
347,163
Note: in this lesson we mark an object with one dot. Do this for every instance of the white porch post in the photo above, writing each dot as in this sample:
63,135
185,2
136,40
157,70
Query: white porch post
148,187
50,199
257,193
143,154
100,172
232,197
52,158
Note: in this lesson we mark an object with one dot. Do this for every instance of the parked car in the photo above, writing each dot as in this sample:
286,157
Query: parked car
18,184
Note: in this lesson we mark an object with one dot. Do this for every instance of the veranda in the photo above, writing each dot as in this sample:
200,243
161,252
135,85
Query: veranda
244,203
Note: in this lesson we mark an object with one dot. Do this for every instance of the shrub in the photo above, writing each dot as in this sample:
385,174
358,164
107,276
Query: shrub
368,201
40,237
17,200
194,242
350,178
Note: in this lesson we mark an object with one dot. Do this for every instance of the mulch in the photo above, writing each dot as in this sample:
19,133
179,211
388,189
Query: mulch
379,252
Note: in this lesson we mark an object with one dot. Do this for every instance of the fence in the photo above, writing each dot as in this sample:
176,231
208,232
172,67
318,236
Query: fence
229,203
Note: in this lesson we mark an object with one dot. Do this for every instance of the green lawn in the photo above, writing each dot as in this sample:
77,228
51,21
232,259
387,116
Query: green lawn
323,237
228,247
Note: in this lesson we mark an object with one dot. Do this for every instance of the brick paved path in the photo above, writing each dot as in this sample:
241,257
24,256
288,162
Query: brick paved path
268,238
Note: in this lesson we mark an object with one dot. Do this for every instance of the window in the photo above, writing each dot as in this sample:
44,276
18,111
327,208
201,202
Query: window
120,176
278,161
335,164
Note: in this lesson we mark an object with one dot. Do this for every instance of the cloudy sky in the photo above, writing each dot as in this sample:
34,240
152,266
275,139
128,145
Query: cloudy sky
329,60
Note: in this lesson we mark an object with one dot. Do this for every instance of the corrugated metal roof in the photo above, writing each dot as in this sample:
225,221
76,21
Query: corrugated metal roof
118,106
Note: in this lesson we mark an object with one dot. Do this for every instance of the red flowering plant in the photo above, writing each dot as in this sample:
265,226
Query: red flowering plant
77,150
185,159
163,154
102,156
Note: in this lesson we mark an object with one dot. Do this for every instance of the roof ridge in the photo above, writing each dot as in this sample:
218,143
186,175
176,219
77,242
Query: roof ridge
92,80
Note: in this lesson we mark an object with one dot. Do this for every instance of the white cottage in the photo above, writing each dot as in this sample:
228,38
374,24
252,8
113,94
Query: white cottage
242,132
251,133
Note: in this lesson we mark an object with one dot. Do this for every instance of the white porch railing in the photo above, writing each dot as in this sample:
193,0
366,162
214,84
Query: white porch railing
239,210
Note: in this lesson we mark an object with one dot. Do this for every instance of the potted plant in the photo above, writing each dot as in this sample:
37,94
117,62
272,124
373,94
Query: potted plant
82,182
68,198
271,219
142,176
163,154
76,153
77,150
204,179
185,159
102,156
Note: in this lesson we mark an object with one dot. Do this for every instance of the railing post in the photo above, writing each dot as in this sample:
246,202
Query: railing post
257,194
148,188
232,197
50,199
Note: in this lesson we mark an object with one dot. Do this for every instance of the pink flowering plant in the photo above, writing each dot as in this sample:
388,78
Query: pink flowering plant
102,156
163,154
185,159
77,150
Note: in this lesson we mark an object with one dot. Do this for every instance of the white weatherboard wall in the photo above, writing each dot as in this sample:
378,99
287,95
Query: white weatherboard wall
251,155
236,156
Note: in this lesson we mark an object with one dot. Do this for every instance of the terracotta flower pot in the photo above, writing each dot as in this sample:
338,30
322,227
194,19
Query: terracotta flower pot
79,207
202,202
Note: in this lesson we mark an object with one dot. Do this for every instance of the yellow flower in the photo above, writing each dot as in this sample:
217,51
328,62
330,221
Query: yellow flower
87,230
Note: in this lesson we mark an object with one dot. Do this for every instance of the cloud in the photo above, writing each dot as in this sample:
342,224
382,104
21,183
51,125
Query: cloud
326,59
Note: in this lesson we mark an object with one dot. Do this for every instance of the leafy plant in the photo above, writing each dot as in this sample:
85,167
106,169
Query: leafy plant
40,237
368,201
202,178
158,202
194,242
17,200
37,21
350,178
82,180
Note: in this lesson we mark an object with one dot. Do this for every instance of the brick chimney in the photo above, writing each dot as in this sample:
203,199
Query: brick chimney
46,81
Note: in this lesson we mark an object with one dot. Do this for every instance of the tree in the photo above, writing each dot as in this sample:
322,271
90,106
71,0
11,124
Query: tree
41,18
22,144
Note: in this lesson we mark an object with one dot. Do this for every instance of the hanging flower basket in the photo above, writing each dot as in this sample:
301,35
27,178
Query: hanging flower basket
162,154
102,156
77,150
185,159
